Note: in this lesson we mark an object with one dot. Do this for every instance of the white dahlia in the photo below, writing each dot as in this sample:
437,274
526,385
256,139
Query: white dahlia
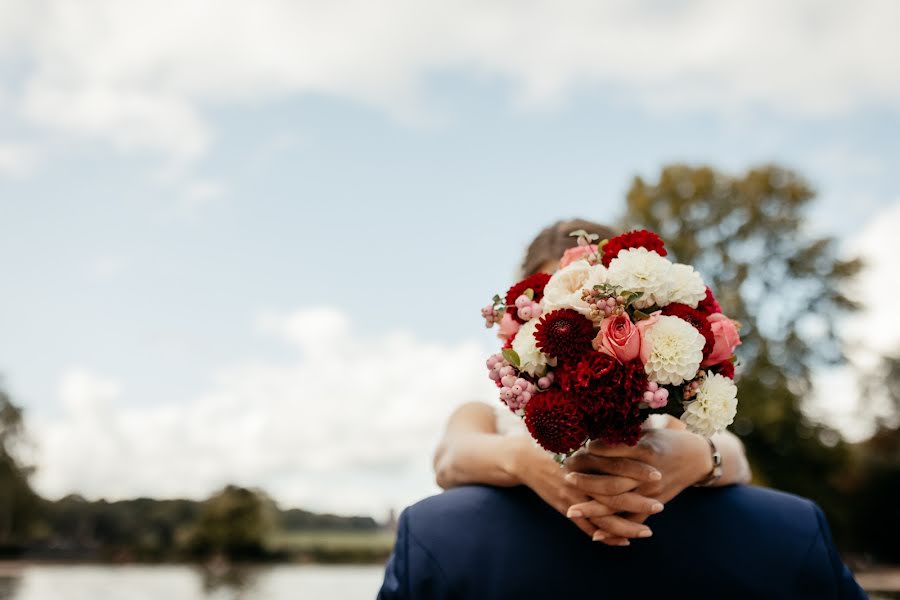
713,408
565,287
531,359
672,350
641,270
685,286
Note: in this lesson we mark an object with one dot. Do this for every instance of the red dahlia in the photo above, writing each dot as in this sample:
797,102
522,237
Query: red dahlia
615,427
709,305
726,369
534,282
609,394
564,333
555,421
632,239
697,319
588,372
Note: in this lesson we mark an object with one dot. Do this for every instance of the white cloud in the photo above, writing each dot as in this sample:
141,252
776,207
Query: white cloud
140,73
348,423
877,328
18,159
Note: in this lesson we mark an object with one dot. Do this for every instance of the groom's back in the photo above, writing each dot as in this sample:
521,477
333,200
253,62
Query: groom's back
735,542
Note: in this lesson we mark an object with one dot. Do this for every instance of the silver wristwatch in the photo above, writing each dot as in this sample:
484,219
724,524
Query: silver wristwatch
716,472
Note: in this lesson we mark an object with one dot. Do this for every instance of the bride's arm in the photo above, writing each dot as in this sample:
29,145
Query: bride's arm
472,451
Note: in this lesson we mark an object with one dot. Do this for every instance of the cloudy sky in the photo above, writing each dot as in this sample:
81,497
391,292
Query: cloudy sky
248,241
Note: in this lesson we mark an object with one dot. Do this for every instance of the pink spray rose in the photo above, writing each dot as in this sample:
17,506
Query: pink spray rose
727,339
508,326
576,253
618,337
643,326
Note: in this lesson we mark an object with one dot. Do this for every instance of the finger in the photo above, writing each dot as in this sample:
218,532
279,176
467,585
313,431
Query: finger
601,485
606,538
623,467
598,448
629,502
622,527
612,540
586,526
590,509
638,518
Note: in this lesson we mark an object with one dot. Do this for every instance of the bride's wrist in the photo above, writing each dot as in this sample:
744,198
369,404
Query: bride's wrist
519,450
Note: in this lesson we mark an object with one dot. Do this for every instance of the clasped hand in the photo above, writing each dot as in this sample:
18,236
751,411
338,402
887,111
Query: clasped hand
619,487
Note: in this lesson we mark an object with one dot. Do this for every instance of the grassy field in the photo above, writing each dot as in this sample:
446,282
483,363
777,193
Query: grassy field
334,546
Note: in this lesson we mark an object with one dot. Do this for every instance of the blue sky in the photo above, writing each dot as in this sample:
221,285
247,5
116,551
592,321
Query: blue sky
186,222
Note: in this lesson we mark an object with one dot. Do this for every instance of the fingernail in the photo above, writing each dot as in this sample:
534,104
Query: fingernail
599,536
574,513
645,533
656,508
625,543
655,476
570,477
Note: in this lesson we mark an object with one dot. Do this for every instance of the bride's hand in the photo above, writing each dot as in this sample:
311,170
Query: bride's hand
680,457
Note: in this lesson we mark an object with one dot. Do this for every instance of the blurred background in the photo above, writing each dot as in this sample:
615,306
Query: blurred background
244,246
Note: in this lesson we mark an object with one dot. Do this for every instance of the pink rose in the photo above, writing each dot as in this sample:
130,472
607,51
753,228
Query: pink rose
576,253
619,338
643,326
508,326
727,339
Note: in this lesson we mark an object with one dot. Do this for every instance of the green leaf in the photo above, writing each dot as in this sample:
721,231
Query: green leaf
632,296
530,293
640,316
511,357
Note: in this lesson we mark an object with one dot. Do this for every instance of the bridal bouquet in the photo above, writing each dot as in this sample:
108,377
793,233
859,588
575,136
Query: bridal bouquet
618,332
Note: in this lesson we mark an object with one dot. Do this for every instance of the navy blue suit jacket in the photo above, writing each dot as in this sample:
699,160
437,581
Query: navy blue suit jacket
731,542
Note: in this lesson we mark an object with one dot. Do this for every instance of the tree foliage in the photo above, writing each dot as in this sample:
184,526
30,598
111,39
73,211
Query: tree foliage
19,505
234,523
874,476
749,237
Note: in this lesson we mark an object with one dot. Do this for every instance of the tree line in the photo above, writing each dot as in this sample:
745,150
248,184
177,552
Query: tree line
234,524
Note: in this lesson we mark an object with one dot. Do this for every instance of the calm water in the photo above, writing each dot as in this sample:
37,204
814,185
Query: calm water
50,582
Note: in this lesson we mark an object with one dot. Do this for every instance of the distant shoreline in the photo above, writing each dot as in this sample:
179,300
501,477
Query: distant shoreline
13,568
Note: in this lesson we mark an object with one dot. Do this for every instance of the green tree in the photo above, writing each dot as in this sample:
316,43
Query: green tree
235,522
19,505
874,474
749,238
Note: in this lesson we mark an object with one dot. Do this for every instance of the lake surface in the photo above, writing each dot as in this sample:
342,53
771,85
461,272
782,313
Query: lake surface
285,582
89,582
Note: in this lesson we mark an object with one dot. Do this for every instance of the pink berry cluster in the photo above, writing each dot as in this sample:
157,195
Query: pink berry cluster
491,315
602,304
515,391
495,364
527,308
655,396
